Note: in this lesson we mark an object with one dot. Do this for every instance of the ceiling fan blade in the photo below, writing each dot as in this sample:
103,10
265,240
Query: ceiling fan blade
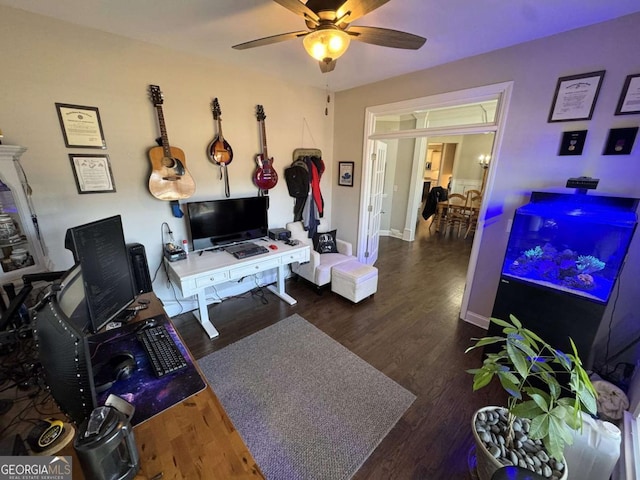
269,40
299,8
326,67
386,37
354,9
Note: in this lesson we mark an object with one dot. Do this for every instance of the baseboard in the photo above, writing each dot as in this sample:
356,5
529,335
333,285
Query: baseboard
477,320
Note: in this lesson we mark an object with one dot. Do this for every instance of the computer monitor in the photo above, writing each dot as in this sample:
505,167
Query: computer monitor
99,247
63,347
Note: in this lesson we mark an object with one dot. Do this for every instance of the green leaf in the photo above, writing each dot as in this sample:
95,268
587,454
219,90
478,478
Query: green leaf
534,336
482,379
539,427
556,438
501,323
527,409
515,321
510,384
518,359
540,401
485,341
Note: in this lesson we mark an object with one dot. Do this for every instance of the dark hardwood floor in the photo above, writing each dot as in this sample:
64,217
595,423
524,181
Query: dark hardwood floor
409,330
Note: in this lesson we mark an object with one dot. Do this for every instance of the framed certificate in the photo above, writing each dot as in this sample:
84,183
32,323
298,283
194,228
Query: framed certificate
81,126
629,102
92,173
575,97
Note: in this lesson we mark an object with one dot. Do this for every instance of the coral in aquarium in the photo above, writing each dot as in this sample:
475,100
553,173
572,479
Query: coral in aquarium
589,264
564,267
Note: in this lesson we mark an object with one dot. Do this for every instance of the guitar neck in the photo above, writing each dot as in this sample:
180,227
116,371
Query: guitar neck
263,130
220,136
163,132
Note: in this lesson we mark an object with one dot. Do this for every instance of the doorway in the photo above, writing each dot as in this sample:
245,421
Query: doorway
474,111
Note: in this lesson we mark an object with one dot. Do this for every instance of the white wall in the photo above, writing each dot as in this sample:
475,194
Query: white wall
528,157
46,61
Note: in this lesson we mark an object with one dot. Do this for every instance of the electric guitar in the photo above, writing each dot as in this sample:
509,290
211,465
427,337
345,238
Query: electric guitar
265,177
219,150
170,179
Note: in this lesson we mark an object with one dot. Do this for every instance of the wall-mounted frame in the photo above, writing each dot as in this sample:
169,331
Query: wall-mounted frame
345,174
572,142
620,141
92,173
575,97
81,126
629,102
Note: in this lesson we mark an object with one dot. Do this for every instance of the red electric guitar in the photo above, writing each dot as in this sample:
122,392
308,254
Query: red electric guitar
265,177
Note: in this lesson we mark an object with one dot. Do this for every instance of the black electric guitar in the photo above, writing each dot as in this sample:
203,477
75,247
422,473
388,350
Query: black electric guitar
265,177
219,151
170,179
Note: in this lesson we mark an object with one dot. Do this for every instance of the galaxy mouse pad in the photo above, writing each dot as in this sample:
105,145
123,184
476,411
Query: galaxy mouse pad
149,394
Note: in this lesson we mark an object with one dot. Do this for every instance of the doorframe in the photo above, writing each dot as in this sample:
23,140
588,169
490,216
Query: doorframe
501,91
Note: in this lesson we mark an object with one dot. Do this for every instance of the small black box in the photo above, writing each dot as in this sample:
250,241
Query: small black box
279,234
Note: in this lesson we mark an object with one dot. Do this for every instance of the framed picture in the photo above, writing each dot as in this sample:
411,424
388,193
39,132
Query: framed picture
81,126
92,173
345,174
572,142
629,102
575,97
620,141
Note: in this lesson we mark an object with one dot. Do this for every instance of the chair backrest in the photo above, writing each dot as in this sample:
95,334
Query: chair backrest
457,199
473,195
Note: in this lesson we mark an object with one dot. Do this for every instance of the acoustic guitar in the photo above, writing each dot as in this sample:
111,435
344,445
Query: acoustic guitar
219,151
265,177
170,179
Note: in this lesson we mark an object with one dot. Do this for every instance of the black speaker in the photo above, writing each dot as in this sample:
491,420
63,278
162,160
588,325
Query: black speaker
139,267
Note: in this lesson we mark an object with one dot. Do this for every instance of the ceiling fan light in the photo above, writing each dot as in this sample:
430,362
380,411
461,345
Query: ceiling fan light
326,44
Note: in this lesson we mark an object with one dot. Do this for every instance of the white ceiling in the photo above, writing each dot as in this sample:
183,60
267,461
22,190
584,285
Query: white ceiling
454,29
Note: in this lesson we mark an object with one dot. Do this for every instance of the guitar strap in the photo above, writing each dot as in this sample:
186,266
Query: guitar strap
175,208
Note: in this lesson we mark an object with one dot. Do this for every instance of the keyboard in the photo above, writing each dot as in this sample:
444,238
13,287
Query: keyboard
245,250
162,351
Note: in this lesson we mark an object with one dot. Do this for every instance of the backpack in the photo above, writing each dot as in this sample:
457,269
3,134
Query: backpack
297,178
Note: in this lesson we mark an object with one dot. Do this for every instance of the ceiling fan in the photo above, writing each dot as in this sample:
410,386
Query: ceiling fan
329,31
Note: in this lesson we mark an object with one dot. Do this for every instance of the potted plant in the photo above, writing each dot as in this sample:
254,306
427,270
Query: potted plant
547,392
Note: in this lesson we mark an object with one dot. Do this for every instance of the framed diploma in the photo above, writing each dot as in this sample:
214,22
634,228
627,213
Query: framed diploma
92,173
575,97
345,174
629,102
81,126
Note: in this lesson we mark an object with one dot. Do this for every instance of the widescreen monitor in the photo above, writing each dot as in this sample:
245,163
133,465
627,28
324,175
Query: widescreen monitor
100,248
217,223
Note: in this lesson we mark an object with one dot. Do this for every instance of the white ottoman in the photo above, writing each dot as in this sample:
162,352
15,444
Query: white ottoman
354,280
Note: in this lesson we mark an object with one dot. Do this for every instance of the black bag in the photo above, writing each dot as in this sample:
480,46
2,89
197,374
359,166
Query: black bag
297,178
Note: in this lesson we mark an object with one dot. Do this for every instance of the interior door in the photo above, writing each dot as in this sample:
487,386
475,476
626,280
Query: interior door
379,159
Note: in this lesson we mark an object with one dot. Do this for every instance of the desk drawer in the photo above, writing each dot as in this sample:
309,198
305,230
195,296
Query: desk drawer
211,279
297,256
243,271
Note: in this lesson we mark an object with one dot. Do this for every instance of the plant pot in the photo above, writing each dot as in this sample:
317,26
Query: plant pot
486,463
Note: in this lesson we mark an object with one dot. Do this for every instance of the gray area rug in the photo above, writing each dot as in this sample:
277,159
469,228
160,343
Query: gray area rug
306,407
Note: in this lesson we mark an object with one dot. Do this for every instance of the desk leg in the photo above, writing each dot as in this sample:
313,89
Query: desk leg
202,314
279,291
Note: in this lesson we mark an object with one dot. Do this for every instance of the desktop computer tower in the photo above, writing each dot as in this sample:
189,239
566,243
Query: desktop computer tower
139,268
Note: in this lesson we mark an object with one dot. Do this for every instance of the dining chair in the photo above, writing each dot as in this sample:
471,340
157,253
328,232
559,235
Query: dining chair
455,213
472,211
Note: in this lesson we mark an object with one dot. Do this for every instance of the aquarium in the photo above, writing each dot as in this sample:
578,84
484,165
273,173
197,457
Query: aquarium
574,243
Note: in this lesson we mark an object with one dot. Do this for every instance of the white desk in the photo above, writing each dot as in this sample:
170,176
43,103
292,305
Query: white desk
199,271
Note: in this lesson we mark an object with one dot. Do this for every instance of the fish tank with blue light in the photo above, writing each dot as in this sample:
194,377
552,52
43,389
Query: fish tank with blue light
574,243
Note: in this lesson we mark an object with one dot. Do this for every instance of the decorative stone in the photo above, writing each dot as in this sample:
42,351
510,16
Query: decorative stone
494,451
546,471
544,458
